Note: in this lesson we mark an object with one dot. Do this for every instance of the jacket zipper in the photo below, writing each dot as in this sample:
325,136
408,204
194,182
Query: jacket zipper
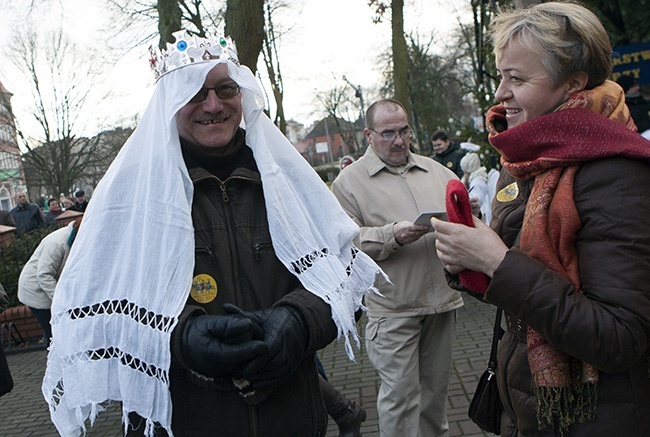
224,192
233,254
208,250
254,419
258,247
223,188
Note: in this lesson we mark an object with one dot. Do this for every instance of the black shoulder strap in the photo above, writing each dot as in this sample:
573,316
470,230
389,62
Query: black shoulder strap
496,336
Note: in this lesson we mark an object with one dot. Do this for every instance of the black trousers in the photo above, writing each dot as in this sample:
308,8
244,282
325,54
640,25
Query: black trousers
6,382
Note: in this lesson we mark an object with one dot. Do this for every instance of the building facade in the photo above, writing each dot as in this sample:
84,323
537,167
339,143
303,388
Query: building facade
12,176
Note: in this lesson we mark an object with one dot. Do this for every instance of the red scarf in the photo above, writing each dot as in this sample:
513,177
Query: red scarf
591,125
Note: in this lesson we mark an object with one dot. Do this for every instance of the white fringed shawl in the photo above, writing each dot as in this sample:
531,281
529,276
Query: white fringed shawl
130,270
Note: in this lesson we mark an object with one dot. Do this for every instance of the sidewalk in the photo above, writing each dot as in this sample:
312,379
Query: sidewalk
23,412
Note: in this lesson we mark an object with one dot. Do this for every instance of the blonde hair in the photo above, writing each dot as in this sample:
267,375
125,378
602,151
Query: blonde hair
567,36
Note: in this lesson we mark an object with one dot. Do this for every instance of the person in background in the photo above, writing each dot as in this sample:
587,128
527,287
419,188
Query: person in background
67,203
80,203
230,265
446,153
412,325
475,179
54,210
347,414
345,161
493,178
27,216
569,256
639,106
41,273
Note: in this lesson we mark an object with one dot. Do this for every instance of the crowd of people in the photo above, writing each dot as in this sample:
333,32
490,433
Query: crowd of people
214,293
27,216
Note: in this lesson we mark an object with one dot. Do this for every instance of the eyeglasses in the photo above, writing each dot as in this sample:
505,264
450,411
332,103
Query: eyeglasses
224,92
392,135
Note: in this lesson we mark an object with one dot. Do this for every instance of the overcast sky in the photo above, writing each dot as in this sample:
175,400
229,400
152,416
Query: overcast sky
326,40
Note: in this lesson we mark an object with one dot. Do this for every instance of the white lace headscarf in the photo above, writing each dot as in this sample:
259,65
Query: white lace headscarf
130,271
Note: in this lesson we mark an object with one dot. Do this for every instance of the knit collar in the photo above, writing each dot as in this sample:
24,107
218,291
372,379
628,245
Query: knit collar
217,164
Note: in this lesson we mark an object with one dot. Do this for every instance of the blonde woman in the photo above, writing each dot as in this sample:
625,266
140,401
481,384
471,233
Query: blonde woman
570,259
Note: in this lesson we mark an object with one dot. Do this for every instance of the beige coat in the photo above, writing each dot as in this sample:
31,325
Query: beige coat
40,275
377,196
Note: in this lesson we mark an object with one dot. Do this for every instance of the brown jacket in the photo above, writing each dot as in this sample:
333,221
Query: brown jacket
607,325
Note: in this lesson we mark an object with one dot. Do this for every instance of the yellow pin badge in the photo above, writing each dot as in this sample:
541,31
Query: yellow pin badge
508,193
204,288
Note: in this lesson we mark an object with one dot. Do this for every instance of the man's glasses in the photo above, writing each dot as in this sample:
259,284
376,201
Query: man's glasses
392,135
224,92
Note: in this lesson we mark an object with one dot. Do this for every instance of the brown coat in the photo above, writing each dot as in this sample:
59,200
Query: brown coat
607,325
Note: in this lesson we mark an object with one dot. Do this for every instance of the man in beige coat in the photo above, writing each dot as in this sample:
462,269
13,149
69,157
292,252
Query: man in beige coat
411,329
41,273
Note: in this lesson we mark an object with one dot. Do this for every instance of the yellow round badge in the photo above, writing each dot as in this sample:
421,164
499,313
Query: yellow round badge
508,193
204,288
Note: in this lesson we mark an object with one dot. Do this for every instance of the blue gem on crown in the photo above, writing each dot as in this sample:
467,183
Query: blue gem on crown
188,49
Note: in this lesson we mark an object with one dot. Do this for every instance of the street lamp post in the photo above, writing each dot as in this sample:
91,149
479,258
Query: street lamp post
358,93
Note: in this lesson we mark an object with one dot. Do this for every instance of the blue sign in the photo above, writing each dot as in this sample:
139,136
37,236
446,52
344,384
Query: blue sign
633,60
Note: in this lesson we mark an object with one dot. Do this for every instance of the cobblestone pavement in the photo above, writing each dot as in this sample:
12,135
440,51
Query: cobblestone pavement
23,412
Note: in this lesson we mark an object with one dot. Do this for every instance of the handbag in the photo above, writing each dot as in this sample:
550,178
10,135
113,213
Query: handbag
486,407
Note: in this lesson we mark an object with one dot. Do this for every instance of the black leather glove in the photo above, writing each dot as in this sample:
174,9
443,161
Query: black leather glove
285,335
217,346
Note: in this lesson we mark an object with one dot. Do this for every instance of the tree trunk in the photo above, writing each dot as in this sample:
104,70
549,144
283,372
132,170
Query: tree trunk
400,55
245,25
169,21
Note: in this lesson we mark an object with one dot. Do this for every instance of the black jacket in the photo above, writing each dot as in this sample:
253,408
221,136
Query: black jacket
28,217
450,158
234,254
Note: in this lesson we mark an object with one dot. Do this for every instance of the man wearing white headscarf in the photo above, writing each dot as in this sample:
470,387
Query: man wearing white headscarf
214,293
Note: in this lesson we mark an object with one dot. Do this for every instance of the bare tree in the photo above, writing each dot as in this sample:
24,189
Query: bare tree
169,22
245,24
340,108
151,19
400,51
272,62
61,82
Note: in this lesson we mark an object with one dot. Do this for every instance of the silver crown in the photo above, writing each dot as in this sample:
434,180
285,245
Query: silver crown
188,49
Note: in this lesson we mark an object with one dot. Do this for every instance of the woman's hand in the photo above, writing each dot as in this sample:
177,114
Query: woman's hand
460,247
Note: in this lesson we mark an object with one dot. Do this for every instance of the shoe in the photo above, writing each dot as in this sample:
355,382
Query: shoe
351,426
